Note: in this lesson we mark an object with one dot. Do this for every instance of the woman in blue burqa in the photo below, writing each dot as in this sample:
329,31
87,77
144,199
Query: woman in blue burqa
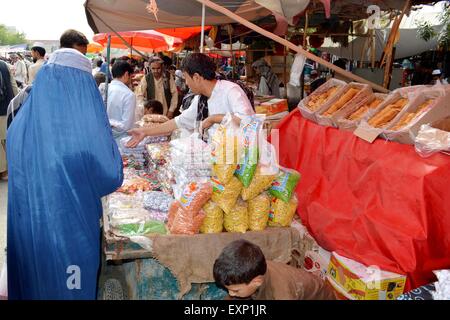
62,159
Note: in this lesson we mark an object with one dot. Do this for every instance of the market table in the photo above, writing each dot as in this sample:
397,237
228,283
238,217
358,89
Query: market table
380,204
180,266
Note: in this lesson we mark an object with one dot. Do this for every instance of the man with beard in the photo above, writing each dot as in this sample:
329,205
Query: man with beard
38,54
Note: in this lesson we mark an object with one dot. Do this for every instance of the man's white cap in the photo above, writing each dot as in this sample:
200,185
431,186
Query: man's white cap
38,44
436,72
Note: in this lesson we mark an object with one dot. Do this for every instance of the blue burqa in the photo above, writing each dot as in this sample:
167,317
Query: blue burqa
62,159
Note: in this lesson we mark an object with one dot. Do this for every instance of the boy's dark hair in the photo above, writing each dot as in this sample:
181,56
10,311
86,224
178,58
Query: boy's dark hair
39,50
100,77
155,105
113,60
120,68
172,67
99,63
240,262
73,37
201,64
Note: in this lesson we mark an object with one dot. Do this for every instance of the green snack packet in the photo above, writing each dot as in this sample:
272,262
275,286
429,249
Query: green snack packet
137,229
249,155
284,185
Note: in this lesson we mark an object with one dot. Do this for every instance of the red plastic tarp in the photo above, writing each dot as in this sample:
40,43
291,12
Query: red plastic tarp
379,204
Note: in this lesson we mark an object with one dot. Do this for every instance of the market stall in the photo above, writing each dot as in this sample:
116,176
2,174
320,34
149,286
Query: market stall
377,203
184,199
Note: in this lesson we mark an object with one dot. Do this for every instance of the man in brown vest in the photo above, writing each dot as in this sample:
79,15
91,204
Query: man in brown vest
159,85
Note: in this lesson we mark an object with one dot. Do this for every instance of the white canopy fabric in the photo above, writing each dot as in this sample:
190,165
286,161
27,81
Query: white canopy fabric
408,45
130,15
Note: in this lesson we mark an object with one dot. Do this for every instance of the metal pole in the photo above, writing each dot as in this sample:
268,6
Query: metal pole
202,37
108,55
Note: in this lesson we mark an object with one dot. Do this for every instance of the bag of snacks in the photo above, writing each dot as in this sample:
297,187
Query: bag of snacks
237,219
226,195
260,183
284,185
282,213
182,221
224,147
258,212
195,195
248,160
213,222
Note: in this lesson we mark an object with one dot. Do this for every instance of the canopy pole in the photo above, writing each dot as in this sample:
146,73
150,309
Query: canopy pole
292,46
108,55
202,37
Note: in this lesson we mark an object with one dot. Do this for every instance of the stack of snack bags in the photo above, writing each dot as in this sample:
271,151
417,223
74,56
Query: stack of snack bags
190,162
245,169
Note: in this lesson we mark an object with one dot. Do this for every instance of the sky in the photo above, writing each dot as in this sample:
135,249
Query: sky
45,19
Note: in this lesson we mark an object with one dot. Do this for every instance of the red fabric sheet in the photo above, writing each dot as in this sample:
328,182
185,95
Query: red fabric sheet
379,204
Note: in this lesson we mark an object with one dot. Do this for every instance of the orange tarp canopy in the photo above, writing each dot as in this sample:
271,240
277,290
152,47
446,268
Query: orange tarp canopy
147,40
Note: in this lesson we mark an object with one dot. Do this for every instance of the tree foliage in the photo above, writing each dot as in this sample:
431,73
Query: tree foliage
10,38
427,32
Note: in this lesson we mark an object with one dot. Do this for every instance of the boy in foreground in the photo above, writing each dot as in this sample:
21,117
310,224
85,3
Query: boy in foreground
243,270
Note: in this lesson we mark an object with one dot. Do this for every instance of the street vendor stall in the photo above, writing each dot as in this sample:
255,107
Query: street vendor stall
380,204
184,199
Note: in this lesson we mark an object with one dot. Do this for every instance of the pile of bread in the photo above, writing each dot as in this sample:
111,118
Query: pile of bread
388,113
359,113
410,116
317,100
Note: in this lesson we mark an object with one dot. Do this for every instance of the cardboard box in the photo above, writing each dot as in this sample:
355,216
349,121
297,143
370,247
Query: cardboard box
364,283
310,114
272,107
332,121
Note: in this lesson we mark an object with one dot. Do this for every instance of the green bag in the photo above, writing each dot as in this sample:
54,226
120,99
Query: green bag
284,185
